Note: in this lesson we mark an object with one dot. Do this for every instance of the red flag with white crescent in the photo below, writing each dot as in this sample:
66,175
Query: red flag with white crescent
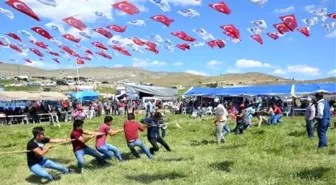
304,31
257,38
42,32
290,21
221,7
80,62
22,7
126,7
76,23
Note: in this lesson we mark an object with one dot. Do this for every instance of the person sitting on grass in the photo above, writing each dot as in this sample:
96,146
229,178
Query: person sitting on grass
242,120
101,144
36,159
79,147
153,134
131,128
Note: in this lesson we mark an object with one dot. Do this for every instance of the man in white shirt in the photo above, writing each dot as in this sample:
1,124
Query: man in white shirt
323,119
221,118
309,117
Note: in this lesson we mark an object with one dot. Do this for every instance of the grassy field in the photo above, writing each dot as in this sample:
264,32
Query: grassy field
268,155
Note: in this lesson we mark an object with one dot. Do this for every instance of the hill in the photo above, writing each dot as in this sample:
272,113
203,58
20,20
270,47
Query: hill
156,78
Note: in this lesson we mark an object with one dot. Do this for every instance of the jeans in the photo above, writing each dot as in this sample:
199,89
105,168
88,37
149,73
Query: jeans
38,170
226,129
310,128
106,151
322,128
87,151
219,131
139,143
155,147
274,119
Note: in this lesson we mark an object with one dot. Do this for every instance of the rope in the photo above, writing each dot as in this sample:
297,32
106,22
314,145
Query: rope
26,151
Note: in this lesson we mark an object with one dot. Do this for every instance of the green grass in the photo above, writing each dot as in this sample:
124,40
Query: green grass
23,88
106,90
268,155
6,82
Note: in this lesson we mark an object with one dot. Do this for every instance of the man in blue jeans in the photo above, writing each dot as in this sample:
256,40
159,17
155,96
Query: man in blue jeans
36,161
101,144
79,147
309,117
323,120
131,128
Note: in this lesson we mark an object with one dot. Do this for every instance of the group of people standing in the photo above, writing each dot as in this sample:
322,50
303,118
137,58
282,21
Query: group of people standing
103,151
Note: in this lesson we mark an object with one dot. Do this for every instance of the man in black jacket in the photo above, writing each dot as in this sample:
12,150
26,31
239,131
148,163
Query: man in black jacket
153,134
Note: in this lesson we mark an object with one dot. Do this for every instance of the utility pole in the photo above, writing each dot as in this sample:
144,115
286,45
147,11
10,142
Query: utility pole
18,69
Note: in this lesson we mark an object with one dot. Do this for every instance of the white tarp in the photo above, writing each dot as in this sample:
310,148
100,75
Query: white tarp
32,96
152,90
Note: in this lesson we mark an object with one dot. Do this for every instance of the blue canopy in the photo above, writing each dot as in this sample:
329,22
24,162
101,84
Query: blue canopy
85,95
262,90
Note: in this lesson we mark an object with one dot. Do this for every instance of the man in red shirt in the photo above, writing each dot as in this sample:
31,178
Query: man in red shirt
79,147
101,145
277,114
131,128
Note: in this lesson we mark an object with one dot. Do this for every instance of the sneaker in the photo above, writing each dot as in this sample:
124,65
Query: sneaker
56,177
70,171
81,170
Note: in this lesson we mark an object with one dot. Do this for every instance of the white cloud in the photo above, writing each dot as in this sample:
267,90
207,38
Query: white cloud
285,10
304,69
243,63
299,69
177,64
136,62
214,64
290,39
157,63
118,65
196,73
42,65
68,8
331,35
279,71
309,7
332,72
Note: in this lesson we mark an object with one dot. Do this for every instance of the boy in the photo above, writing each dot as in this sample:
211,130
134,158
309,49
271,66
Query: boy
36,161
131,128
101,144
153,134
79,147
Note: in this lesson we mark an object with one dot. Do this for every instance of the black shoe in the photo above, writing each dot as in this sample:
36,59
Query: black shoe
71,171
56,177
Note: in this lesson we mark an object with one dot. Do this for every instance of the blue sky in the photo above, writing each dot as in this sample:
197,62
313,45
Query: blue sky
291,56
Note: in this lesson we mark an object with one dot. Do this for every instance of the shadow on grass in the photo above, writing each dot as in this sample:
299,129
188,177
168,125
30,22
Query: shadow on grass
332,152
258,132
229,147
129,155
223,166
176,159
61,160
9,145
297,134
315,173
203,142
33,179
147,179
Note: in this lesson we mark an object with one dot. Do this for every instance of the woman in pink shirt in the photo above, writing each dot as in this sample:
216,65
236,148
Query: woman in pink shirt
101,144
